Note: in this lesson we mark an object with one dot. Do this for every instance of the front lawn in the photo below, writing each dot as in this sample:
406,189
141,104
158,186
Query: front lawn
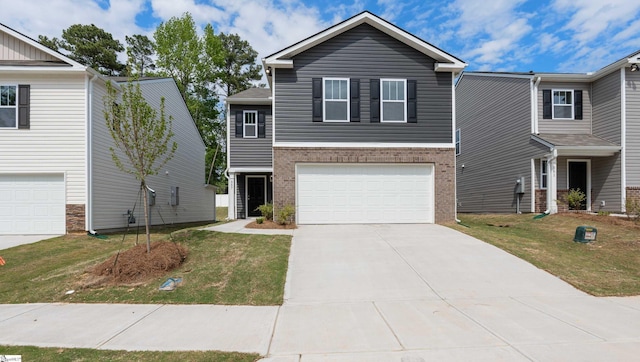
609,266
91,355
221,269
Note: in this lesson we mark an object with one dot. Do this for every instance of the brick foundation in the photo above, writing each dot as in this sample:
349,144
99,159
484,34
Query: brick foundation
633,194
75,218
285,159
541,200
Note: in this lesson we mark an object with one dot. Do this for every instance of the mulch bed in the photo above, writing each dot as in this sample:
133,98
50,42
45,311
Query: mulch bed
270,224
135,265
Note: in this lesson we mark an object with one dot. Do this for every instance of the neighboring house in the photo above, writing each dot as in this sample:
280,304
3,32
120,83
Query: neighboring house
357,127
553,131
56,171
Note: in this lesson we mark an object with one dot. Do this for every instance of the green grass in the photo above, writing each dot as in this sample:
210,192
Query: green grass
609,266
222,213
221,268
91,355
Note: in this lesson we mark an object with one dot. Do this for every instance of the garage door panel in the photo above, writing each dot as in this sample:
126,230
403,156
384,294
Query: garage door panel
364,193
32,204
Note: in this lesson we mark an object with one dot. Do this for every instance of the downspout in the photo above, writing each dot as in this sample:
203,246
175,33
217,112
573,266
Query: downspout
230,183
623,139
453,138
89,167
552,183
535,105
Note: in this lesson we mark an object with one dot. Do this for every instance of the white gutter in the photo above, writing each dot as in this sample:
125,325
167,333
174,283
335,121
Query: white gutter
88,218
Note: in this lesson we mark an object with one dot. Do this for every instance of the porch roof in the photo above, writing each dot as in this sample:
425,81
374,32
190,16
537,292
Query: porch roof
577,144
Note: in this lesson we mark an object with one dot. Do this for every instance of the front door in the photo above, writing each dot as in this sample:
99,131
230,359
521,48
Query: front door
255,194
578,179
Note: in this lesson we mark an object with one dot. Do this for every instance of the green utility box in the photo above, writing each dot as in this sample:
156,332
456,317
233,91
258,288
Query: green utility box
585,234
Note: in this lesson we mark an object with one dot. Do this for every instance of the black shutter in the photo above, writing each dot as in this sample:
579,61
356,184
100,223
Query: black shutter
24,106
375,100
239,124
261,124
577,95
412,103
546,104
317,99
355,100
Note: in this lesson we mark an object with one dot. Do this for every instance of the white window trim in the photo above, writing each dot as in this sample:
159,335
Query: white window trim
572,105
458,142
382,101
244,124
347,101
16,106
542,160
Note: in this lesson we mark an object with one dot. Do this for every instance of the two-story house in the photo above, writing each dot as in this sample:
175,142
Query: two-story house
356,127
56,170
525,139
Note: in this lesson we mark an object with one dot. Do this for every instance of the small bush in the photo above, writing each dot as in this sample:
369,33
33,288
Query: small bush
632,208
575,197
284,214
259,220
266,210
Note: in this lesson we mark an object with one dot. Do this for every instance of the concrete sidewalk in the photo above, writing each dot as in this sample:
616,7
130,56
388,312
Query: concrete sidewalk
368,292
239,226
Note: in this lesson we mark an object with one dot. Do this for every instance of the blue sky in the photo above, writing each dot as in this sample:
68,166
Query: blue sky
494,35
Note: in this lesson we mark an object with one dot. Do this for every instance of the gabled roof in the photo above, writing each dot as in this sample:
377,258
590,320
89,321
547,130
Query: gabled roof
54,65
251,96
445,62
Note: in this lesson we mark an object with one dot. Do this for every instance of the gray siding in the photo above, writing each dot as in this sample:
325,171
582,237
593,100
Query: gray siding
606,183
362,53
251,152
496,145
607,107
582,126
632,89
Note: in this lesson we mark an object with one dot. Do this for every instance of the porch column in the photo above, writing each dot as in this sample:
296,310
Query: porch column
552,183
231,210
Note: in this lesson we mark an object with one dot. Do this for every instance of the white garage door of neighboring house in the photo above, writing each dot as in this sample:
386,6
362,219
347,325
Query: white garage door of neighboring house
364,193
32,204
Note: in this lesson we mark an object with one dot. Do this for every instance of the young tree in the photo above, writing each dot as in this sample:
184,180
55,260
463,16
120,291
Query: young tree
142,137
139,52
92,46
239,67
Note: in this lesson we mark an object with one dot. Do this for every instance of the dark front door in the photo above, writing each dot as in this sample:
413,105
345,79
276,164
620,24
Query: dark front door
578,179
255,194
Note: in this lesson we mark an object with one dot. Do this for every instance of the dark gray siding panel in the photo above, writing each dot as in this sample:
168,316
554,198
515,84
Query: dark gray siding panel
606,104
576,126
362,53
251,152
496,143
632,90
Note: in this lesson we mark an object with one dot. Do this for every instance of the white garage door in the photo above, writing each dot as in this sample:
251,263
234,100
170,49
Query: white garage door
364,193
32,204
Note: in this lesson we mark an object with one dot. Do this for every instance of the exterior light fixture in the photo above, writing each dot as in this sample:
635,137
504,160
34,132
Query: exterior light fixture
268,71
634,67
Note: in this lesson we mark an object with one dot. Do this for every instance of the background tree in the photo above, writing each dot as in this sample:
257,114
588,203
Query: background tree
53,43
239,68
140,134
139,52
92,46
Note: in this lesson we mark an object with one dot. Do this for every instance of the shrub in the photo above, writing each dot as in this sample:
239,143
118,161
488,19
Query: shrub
575,197
284,214
266,210
632,208
259,220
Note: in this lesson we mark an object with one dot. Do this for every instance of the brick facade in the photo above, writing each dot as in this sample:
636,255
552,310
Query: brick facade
75,218
633,193
285,159
541,200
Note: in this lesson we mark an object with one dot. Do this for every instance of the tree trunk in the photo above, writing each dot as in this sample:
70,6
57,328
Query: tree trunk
145,197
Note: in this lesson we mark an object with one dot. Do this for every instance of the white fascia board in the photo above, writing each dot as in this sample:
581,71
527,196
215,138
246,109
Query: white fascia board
278,63
450,67
499,75
594,151
31,69
362,18
250,169
360,145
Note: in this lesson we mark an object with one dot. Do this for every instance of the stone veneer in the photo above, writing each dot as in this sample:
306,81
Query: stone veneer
285,159
75,218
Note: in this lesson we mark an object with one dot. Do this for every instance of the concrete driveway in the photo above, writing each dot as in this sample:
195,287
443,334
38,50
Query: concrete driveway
426,292
9,241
